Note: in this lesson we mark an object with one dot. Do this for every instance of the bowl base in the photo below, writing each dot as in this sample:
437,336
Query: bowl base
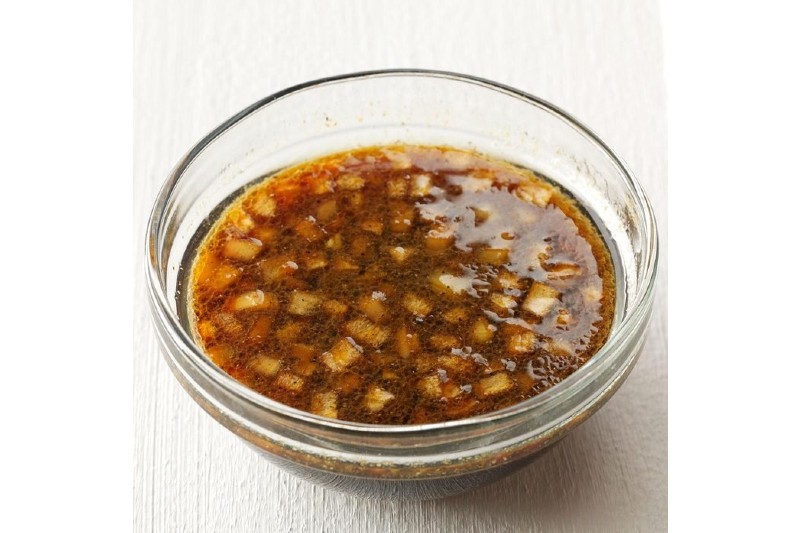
401,489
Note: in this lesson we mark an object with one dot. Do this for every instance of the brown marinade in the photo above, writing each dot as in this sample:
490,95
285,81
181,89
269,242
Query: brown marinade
402,285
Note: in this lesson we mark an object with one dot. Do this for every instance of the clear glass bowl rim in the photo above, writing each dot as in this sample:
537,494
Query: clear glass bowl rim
162,311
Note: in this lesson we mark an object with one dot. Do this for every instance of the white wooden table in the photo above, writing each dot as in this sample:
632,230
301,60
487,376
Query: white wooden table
197,63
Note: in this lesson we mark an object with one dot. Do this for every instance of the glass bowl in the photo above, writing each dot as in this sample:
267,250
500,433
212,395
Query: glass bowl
385,107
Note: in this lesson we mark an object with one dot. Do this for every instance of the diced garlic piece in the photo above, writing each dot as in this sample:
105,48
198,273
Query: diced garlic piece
521,343
373,226
564,317
416,305
454,363
360,246
386,290
303,303
326,210
309,230
266,365
322,186
264,234
482,331
482,214
463,408
206,328
305,368
228,323
493,256
495,365
399,253
223,276
324,404
399,160
450,285
334,307
260,328
374,308
316,260
241,249
475,183
420,185
401,217
343,354
524,381
221,354
241,220
205,267
256,300
335,242
456,315
502,302
494,384
377,398
289,382
365,331
456,160
541,299
444,342
276,268
356,199
348,383
383,360
592,293
537,193
563,271
508,280
430,386
340,264
436,241
396,188
263,206
289,332
407,343
350,182
288,187
560,348
424,364
304,352
450,390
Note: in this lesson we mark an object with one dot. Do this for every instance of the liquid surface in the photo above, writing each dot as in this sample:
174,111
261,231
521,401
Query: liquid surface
402,285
